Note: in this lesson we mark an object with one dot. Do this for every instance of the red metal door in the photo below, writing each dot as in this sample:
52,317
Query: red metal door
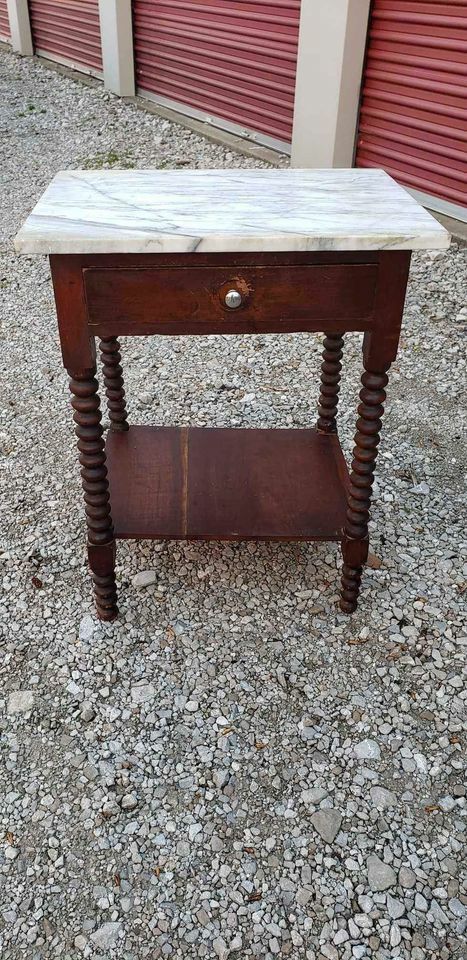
4,21
413,119
234,60
68,31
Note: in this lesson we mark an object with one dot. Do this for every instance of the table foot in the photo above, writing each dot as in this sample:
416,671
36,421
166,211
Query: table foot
350,587
102,563
105,596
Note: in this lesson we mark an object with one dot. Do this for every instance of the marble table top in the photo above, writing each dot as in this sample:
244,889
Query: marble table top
236,210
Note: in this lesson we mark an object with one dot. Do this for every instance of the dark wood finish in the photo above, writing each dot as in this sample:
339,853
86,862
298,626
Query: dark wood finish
170,482
77,342
174,300
113,381
330,378
381,343
367,437
102,563
80,261
88,429
379,350
226,484
147,482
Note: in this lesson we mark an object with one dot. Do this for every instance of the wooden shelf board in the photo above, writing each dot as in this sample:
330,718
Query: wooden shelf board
226,484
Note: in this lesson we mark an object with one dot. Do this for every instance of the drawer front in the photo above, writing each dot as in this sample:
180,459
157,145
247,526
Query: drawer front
207,299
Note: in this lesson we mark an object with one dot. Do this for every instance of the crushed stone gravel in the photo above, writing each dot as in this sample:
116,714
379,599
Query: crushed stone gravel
234,769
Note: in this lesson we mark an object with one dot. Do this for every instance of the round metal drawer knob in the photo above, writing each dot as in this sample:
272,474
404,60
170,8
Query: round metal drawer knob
233,299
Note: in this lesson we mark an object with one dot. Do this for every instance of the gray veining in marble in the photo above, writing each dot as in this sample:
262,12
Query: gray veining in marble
215,211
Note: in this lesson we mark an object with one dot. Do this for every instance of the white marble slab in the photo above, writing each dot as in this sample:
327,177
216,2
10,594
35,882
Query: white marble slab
214,211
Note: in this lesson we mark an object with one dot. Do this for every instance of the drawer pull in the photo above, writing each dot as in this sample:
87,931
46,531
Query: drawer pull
233,299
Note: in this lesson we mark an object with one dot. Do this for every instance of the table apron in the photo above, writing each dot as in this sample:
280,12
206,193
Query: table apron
191,300
110,295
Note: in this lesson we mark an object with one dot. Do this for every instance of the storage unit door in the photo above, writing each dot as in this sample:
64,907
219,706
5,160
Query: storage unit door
413,119
4,21
68,31
232,60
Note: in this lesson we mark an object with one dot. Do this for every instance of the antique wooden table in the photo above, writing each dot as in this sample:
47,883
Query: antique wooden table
226,251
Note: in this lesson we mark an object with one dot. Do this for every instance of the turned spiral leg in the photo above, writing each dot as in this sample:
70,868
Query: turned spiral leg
113,380
367,437
330,377
101,546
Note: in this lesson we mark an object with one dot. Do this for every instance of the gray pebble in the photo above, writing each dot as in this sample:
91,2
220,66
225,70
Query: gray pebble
382,798
145,578
20,701
107,935
395,907
380,874
407,878
327,823
367,750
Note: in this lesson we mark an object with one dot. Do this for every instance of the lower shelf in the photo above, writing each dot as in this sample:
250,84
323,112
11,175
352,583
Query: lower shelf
226,484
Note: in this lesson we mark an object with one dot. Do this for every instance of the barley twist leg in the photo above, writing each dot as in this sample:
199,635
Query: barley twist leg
101,545
367,437
330,377
113,381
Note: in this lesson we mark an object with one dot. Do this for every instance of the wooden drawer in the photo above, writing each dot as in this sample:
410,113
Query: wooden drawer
191,299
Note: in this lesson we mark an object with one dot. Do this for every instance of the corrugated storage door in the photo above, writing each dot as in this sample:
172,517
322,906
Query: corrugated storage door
4,21
232,60
413,119
68,31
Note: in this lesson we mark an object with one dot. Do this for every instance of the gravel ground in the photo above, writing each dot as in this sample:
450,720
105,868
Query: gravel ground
234,769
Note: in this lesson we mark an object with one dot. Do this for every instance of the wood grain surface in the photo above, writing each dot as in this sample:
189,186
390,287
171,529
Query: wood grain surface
191,299
226,484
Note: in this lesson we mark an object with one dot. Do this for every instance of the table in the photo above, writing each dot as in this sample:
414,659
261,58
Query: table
197,252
